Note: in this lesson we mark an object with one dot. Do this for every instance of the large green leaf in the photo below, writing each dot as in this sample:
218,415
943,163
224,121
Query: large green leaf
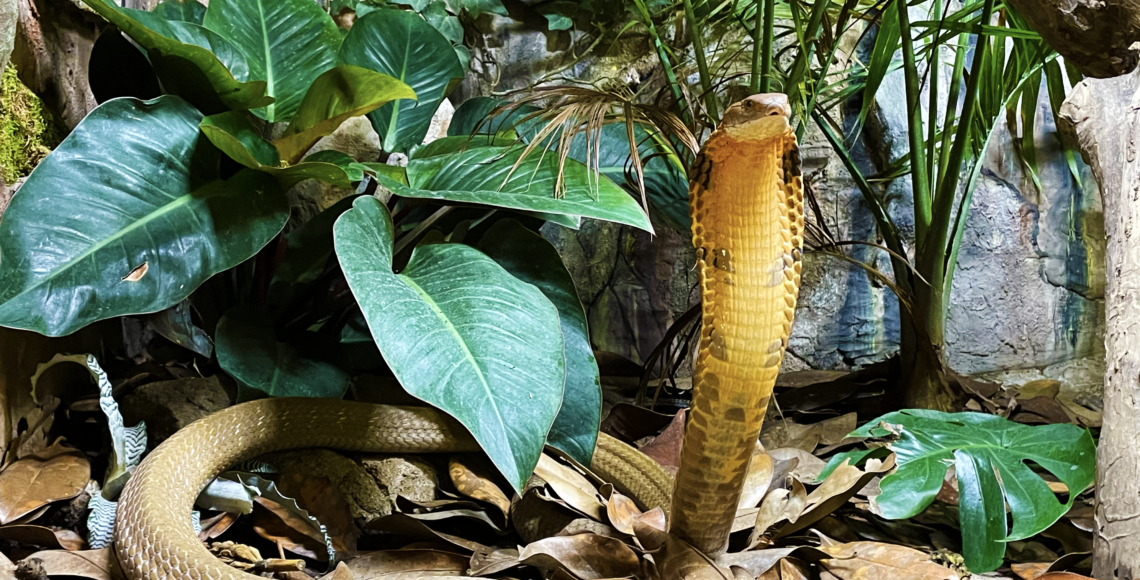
127,216
666,185
183,10
340,93
403,45
479,175
249,351
191,61
991,455
233,133
288,43
530,258
462,334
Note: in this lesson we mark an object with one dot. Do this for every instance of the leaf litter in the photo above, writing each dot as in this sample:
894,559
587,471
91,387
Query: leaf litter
808,510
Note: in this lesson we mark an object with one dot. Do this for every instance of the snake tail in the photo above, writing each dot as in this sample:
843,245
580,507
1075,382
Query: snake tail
746,202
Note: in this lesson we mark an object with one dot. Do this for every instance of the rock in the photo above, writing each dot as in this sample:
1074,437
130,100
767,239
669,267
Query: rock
168,406
365,499
403,475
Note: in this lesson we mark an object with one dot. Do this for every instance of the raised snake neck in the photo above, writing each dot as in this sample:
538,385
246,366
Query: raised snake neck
746,202
747,208
154,538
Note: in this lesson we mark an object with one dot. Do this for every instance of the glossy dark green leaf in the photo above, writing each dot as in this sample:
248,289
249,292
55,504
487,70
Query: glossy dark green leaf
447,24
477,7
218,68
461,333
404,46
926,443
474,117
249,352
981,512
340,93
235,135
530,258
479,175
307,250
288,44
127,225
353,169
182,10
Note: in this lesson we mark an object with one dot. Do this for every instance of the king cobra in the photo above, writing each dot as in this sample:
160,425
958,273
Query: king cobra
747,210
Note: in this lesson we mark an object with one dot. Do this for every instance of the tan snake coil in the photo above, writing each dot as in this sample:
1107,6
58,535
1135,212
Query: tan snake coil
747,206
153,535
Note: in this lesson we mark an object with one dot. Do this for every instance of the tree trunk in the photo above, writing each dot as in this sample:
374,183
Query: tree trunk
52,49
1103,117
1094,35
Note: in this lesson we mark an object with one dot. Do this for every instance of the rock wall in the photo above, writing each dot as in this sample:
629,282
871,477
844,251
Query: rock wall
1028,293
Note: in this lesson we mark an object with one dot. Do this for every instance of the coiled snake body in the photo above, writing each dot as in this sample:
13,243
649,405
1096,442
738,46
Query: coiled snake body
747,224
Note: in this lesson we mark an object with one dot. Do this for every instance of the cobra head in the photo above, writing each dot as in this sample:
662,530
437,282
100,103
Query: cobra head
758,117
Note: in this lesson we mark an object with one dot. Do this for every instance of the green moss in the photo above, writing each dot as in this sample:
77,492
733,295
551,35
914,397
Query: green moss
28,132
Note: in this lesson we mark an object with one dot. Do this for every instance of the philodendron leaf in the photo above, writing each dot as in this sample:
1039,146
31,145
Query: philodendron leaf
530,258
128,224
480,175
194,53
992,456
233,133
181,10
340,93
288,43
462,334
249,351
403,45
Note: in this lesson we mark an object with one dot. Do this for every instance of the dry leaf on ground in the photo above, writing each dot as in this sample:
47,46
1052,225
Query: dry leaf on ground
587,556
758,562
286,528
623,513
29,483
757,480
666,447
840,486
780,505
95,564
217,525
878,561
675,559
571,486
473,480
341,572
318,496
42,536
807,467
408,527
1030,570
388,564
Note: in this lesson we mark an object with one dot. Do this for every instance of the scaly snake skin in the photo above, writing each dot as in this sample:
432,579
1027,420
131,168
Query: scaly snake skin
746,202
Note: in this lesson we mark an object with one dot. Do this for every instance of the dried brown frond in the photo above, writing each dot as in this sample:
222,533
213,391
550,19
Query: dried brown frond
569,110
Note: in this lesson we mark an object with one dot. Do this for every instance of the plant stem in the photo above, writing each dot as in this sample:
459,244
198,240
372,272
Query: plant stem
666,64
920,182
762,47
702,64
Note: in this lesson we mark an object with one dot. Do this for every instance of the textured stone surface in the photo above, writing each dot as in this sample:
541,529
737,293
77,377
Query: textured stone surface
400,475
168,406
1028,292
365,499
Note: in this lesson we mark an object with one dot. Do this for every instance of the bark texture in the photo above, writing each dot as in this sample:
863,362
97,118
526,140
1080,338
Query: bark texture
1094,35
52,49
1103,117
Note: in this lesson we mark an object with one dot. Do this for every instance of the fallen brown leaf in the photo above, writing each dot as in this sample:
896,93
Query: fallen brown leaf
32,482
758,562
874,561
807,466
473,480
675,559
394,564
666,447
493,561
318,496
587,556
758,479
286,528
403,525
571,486
217,525
843,483
1030,570
341,572
95,564
621,511
42,536
1062,576
780,505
